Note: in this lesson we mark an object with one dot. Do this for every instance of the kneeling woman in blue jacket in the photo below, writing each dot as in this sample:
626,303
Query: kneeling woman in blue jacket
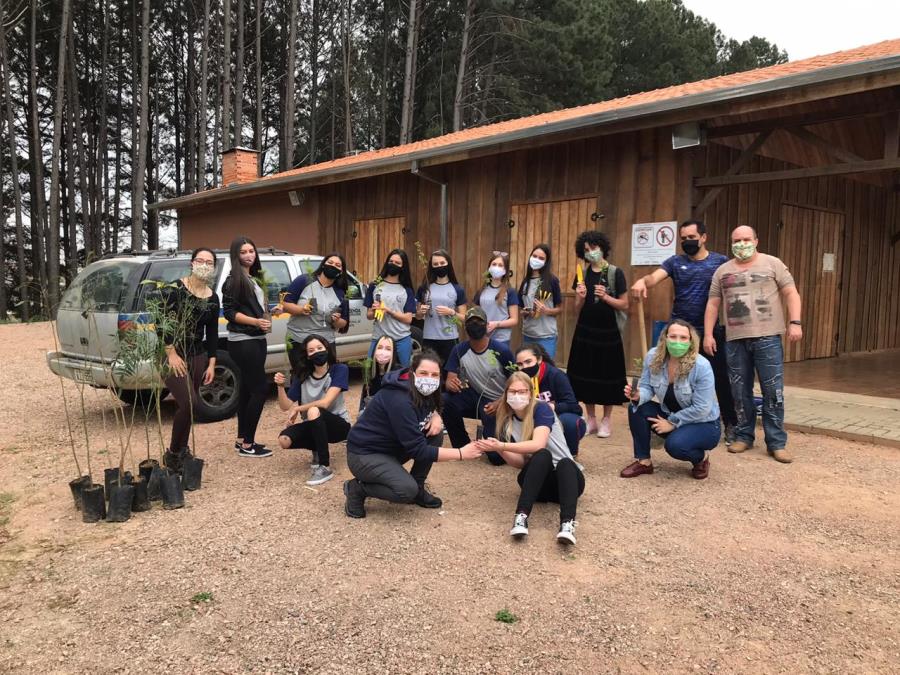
396,427
685,412
552,386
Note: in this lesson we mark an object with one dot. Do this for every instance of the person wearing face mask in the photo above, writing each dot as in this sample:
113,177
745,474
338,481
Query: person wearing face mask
753,286
245,306
596,365
499,302
540,299
442,305
317,304
400,424
685,411
315,401
384,360
691,274
476,373
530,438
392,293
551,385
190,355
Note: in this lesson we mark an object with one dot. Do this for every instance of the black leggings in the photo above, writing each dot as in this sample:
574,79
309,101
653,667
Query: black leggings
442,348
185,391
316,434
542,483
250,358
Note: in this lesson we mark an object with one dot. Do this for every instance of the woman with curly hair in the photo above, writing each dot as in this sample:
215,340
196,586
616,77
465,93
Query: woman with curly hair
685,412
596,366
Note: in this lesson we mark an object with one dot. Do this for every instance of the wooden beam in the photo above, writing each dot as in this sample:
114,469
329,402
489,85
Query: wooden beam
891,135
743,159
839,153
801,119
810,172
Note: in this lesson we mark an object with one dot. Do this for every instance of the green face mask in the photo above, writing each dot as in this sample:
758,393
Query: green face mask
743,250
593,256
677,349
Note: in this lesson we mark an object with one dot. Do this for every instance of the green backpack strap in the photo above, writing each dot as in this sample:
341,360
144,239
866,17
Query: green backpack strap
621,315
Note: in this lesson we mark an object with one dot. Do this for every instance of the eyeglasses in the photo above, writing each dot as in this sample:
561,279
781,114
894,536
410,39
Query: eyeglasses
496,253
205,263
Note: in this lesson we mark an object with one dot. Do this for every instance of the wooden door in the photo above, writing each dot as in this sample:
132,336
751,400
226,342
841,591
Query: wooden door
809,243
558,224
372,239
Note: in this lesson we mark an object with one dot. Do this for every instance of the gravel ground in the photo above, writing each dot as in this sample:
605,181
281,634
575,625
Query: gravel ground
761,568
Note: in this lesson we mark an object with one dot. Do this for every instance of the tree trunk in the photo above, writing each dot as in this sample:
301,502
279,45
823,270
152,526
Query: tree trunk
117,173
333,99
40,257
79,158
100,208
258,124
54,206
204,107
68,167
409,77
314,79
177,35
348,121
286,161
152,159
139,166
17,190
217,97
239,78
4,300
226,75
190,127
461,71
386,35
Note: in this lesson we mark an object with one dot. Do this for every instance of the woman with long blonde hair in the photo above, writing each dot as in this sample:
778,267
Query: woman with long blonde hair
685,411
530,437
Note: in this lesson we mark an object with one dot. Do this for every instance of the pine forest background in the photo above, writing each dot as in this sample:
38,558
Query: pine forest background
108,106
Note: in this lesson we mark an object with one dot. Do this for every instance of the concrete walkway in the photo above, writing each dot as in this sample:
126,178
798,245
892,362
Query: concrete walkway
849,416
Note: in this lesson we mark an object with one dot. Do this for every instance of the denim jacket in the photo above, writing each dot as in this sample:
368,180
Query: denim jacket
696,394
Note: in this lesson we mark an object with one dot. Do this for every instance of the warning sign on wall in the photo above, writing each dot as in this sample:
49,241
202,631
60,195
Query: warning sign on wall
651,243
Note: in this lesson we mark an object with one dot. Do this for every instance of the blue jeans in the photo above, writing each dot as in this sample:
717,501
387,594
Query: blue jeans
467,403
689,442
403,348
765,357
548,343
574,428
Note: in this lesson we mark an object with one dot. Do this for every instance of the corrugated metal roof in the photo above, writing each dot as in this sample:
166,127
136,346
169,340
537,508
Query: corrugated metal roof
887,53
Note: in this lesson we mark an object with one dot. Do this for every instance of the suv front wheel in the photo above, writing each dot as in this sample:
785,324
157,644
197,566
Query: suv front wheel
219,399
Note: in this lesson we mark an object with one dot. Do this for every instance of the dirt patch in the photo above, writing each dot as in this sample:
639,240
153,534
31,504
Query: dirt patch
763,567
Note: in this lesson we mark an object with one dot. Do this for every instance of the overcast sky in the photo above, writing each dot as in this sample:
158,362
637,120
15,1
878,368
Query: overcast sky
805,27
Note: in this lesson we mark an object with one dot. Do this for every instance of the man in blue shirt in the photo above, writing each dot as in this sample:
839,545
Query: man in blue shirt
691,274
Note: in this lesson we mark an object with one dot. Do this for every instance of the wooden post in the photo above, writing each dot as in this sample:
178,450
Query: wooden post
643,328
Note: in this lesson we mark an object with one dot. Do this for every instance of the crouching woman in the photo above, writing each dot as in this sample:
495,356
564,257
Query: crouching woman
402,422
685,411
531,439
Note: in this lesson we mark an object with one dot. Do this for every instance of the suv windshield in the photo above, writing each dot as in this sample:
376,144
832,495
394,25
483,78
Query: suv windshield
101,286
167,271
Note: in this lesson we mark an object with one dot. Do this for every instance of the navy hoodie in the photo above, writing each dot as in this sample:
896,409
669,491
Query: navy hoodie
555,386
391,425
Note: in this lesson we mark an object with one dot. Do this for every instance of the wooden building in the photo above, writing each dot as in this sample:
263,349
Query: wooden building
806,152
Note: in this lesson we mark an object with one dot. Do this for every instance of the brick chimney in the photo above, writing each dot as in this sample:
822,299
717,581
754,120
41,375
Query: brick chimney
240,165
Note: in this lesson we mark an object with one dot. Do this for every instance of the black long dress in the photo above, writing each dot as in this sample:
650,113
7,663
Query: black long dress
596,366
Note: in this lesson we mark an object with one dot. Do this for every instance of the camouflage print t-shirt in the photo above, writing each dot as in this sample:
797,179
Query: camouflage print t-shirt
751,297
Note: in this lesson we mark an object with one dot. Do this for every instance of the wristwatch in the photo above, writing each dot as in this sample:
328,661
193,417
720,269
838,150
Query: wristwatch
796,323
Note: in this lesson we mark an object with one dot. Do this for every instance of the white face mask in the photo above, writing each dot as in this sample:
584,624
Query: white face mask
517,401
535,263
204,273
427,385
497,271
383,356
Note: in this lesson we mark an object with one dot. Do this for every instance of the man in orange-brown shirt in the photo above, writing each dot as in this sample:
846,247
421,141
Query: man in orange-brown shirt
753,286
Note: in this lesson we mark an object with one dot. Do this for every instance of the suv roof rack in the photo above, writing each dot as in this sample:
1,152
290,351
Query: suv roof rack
173,252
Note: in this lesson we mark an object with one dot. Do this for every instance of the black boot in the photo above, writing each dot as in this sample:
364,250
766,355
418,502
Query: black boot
355,504
427,500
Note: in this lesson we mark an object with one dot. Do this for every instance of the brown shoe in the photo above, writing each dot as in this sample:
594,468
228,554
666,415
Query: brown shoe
701,470
739,446
781,455
636,469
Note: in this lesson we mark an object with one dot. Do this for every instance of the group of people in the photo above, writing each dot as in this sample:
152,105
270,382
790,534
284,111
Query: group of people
528,411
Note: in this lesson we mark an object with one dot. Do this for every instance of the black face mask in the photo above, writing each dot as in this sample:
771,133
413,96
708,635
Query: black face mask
330,272
691,246
476,329
531,371
319,358
391,269
438,272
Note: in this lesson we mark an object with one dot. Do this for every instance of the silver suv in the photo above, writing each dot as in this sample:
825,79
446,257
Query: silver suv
109,296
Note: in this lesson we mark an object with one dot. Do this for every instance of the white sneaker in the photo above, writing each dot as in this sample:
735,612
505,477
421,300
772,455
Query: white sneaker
567,532
520,526
603,430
